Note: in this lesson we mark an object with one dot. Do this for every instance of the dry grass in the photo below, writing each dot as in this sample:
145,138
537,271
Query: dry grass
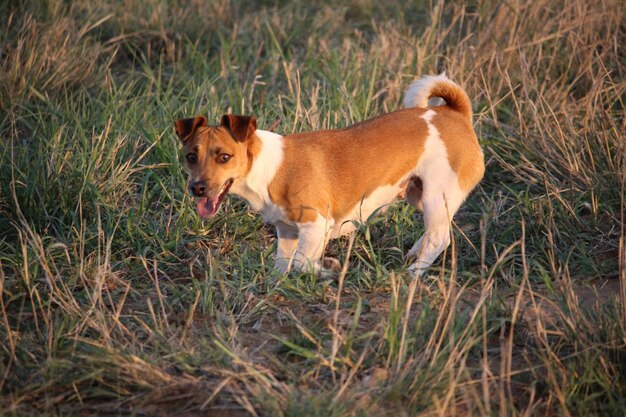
115,299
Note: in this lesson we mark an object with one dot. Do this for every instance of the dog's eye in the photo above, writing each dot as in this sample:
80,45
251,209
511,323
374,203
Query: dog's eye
223,158
192,158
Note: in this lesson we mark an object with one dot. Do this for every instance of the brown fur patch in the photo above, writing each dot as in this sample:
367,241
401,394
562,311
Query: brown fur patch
331,171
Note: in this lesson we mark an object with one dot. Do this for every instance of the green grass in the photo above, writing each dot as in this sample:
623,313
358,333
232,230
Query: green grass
117,299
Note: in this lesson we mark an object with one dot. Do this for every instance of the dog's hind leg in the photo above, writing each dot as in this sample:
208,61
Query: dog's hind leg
440,199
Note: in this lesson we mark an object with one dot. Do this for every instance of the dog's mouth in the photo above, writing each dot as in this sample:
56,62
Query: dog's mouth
208,206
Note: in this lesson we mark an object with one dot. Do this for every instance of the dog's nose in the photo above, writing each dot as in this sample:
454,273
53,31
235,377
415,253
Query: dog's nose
198,188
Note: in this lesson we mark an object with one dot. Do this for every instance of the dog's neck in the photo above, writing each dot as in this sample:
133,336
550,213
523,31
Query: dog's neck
254,187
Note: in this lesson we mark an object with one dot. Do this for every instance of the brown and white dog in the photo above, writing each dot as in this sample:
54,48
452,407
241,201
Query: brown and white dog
312,186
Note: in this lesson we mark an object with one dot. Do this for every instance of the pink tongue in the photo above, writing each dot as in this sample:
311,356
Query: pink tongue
207,207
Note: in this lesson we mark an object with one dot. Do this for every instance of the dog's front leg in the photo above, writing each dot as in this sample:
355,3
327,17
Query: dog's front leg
285,248
312,238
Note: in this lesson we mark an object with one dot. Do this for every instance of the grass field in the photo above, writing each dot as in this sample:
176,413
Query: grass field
117,299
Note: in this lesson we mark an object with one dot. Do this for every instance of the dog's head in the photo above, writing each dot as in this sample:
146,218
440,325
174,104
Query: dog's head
215,156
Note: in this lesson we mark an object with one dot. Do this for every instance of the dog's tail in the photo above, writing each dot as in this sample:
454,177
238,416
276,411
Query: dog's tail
420,91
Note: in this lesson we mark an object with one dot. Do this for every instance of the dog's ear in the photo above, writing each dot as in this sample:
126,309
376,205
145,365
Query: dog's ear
242,127
186,127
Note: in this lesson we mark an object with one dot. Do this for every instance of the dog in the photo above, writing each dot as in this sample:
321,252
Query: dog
314,186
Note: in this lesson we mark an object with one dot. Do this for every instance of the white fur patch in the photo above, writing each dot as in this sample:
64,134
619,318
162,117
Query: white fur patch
433,164
418,92
255,187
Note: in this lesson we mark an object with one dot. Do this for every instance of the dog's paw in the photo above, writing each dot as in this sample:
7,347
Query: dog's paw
282,266
330,268
331,264
414,271
411,255
325,268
